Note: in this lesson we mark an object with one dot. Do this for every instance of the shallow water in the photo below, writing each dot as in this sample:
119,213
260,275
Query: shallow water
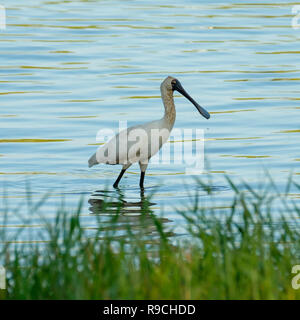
70,68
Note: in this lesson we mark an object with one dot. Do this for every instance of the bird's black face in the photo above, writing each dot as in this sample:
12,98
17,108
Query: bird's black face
176,85
173,83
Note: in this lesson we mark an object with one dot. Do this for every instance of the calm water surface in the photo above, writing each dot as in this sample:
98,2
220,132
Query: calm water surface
70,68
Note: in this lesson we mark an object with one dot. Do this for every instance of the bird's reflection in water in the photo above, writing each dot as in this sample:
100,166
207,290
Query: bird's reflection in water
123,214
104,202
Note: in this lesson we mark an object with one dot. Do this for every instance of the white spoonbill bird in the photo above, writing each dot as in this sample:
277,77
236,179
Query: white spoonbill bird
141,142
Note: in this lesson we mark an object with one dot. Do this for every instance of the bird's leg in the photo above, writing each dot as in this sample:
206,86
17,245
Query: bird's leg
142,180
143,167
125,167
119,178
142,195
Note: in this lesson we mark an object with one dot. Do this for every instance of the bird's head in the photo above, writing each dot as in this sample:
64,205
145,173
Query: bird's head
168,83
172,84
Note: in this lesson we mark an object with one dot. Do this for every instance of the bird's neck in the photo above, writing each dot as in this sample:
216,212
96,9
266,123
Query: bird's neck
170,112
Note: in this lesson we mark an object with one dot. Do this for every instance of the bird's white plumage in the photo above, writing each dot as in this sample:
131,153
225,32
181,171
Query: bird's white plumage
135,144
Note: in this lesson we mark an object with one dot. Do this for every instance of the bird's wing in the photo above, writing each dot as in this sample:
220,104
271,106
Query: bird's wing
131,145
115,151
92,160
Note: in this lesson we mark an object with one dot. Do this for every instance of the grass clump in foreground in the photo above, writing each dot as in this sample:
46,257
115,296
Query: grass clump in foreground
242,252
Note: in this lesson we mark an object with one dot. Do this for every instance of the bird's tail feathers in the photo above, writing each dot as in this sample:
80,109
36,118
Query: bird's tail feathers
92,160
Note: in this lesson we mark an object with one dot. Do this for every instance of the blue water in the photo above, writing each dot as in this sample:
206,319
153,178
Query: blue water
70,68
